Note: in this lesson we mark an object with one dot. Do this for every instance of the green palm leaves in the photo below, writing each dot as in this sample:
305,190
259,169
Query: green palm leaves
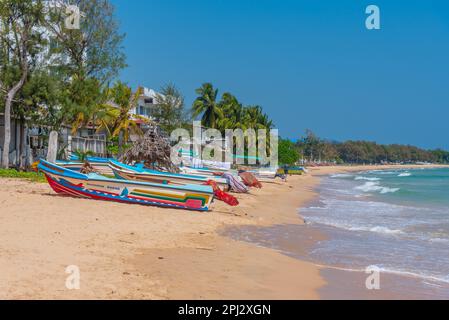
207,105
228,113
115,115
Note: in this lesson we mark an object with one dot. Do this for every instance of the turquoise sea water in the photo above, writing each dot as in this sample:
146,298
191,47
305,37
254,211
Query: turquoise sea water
397,220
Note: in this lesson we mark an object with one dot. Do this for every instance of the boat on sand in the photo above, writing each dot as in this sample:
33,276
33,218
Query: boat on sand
94,186
139,173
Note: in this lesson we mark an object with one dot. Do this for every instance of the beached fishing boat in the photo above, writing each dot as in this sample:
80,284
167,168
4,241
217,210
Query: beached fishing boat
100,167
207,172
267,175
94,186
139,173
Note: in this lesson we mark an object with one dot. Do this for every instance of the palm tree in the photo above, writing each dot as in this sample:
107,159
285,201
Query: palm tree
265,121
206,104
256,119
234,111
114,116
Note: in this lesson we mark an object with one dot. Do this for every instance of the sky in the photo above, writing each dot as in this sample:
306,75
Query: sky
311,64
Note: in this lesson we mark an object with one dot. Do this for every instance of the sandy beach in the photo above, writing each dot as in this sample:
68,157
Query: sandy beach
136,252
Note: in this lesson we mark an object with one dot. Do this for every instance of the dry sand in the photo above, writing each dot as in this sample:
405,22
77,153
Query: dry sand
136,252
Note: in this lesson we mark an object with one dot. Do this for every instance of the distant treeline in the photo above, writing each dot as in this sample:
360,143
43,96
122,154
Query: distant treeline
314,149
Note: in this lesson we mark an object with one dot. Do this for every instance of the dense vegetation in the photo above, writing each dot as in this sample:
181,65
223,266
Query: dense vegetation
228,112
314,149
287,152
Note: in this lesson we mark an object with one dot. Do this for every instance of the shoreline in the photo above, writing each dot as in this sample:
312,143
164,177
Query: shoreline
347,283
136,252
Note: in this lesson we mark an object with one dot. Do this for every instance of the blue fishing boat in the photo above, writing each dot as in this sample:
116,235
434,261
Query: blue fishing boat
94,186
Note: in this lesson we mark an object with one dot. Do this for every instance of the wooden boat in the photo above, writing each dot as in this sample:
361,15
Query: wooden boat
139,173
266,175
100,167
94,186
75,158
207,172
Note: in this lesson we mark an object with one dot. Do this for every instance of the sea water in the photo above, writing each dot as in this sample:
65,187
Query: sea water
396,220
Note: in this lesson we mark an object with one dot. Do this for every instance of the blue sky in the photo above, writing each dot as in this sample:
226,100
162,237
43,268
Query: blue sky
309,63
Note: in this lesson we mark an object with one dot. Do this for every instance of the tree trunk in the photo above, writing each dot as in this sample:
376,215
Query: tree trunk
23,145
120,144
9,98
52,147
7,133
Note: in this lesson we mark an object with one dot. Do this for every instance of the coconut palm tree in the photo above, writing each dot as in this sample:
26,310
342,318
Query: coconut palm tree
234,111
115,117
256,119
207,106
265,121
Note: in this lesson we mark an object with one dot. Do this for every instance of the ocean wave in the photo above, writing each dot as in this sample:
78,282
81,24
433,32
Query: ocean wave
393,271
415,275
377,229
405,174
358,178
375,186
350,227
341,175
382,172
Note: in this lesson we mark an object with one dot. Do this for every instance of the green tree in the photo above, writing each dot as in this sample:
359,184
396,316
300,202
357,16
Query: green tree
94,50
207,106
288,154
115,115
20,43
234,111
86,60
169,111
81,101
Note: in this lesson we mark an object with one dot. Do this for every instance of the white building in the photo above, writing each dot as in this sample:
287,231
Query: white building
146,104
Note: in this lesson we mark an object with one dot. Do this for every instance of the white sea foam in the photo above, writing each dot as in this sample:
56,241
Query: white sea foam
358,178
346,225
403,273
377,229
382,172
341,175
405,174
415,275
376,187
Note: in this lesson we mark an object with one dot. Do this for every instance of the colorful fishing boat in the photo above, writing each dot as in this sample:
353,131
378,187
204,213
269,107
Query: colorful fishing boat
100,167
139,173
94,186
207,172
74,157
